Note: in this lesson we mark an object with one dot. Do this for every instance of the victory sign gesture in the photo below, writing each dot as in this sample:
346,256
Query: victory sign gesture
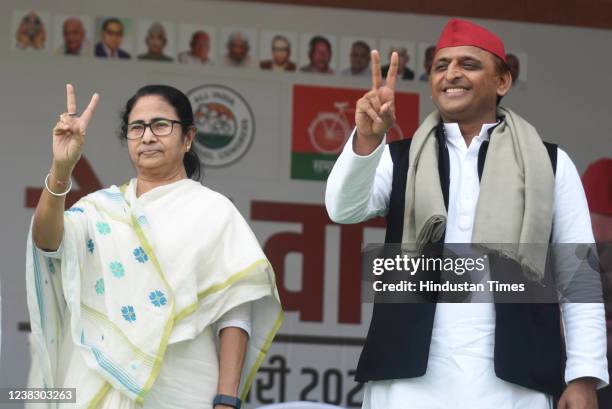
375,111
69,131
68,139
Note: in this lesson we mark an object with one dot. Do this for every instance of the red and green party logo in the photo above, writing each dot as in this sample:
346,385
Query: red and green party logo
323,119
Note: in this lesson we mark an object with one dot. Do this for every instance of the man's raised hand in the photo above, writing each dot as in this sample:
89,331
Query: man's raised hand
375,111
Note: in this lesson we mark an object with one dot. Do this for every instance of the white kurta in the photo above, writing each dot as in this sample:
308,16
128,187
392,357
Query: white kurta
460,370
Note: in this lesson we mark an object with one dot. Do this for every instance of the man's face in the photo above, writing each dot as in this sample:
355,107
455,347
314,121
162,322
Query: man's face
320,57
156,41
280,51
200,46
237,49
112,36
360,58
74,34
465,83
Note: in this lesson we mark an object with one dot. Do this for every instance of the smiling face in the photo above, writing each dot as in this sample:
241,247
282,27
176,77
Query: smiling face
158,156
465,82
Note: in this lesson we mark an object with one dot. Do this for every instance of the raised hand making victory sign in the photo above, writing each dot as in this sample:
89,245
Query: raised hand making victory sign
375,111
68,139
69,132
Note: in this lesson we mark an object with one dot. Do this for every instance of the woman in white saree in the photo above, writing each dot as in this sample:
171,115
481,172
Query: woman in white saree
155,293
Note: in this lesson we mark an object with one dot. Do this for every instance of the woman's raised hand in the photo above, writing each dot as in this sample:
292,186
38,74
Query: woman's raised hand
69,131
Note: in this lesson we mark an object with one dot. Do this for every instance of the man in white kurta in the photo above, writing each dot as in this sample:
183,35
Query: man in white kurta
460,369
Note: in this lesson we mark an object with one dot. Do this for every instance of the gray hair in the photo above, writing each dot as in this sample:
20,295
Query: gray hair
156,28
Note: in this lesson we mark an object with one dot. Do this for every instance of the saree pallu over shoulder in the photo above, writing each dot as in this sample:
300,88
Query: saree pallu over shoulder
135,274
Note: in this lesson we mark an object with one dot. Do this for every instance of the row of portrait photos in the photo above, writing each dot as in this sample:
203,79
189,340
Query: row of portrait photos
201,44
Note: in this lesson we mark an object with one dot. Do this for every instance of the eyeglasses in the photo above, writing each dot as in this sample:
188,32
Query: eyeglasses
159,127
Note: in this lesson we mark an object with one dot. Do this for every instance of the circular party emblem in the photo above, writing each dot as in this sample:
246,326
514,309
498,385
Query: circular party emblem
225,124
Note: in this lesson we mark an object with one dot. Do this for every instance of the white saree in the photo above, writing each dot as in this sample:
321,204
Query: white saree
123,310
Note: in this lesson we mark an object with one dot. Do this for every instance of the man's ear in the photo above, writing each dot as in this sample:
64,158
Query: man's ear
504,83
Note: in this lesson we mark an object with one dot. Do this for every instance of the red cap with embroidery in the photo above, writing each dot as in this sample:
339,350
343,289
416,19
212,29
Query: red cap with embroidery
597,182
461,32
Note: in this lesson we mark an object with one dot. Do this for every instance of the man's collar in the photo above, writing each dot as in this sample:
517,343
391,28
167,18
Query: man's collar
454,136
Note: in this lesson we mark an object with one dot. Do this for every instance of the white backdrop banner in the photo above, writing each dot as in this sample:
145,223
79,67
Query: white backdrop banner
268,139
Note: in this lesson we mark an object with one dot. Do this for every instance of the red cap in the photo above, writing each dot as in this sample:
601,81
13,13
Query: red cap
461,32
597,182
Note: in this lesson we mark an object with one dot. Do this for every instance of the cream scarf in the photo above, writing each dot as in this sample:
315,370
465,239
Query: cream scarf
515,202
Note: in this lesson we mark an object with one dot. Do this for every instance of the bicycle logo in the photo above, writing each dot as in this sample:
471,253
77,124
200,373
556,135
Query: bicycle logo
329,131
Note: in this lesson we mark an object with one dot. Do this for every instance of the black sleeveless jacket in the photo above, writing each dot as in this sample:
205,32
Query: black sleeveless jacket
529,350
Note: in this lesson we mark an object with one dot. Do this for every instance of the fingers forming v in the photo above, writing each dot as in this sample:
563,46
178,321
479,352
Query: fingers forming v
87,114
392,73
376,73
71,106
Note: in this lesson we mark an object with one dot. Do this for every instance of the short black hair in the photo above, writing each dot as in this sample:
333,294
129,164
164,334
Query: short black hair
362,44
110,21
501,68
184,111
318,39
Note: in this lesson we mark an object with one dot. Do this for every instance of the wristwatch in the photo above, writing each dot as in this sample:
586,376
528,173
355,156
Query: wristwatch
227,400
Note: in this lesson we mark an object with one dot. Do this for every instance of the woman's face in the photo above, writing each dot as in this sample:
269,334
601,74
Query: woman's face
158,156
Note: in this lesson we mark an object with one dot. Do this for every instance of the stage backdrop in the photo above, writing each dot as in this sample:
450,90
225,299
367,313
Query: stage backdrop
268,140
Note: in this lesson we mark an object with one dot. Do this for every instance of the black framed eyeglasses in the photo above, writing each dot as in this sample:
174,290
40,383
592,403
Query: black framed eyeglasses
159,127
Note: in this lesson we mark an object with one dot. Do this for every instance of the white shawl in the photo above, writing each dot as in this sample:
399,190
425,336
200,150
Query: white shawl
126,305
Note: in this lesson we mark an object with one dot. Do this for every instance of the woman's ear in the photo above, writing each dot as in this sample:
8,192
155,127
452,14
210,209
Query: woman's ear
189,137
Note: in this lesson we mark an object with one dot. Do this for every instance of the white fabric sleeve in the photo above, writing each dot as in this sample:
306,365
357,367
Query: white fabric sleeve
584,323
239,316
57,254
74,218
358,187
